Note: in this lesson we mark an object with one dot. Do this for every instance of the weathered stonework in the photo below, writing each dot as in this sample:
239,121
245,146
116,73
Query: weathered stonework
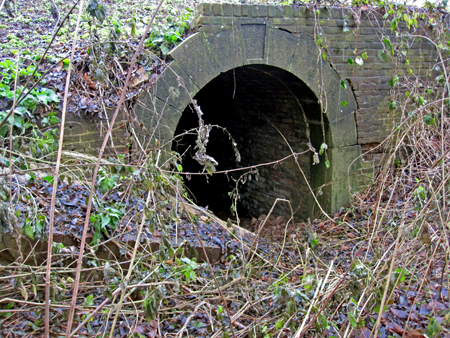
269,54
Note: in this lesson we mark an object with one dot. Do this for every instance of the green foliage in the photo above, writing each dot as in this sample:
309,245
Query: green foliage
319,39
352,315
9,70
51,119
428,119
382,55
8,306
322,323
35,228
21,118
433,329
313,241
420,196
106,219
88,301
400,274
323,148
151,304
164,37
42,142
188,268
107,183
279,324
397,13
394,81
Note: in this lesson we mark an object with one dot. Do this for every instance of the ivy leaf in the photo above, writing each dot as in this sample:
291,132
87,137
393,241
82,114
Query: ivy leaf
4,130
47,95
324,55
382,55
28,230
359,61
323,147
327,164
392,105
65,63
352,319
105,220
49,179
18,122
394,24
440,79
343,84
344,103
88,301
388,44
364,56
428,119
29,103
350,61
393,81
319,40
54,120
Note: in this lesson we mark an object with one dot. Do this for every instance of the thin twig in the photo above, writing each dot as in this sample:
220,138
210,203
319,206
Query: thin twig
56,177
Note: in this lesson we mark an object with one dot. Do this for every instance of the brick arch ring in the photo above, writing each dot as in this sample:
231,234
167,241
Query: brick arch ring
202,57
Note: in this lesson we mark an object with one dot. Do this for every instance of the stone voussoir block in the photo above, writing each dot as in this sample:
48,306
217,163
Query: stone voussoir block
275,11
288,11
304,12
204,9
254,11
227,9
246,10
217,9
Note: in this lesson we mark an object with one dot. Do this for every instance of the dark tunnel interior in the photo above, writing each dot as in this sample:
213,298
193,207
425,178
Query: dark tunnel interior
267,111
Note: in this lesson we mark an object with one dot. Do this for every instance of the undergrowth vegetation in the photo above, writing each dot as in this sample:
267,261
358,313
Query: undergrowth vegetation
129,256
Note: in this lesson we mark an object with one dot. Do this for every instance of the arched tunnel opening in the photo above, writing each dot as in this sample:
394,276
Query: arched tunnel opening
269,113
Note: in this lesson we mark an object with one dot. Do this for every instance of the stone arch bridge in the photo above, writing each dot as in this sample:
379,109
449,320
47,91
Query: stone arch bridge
279,80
